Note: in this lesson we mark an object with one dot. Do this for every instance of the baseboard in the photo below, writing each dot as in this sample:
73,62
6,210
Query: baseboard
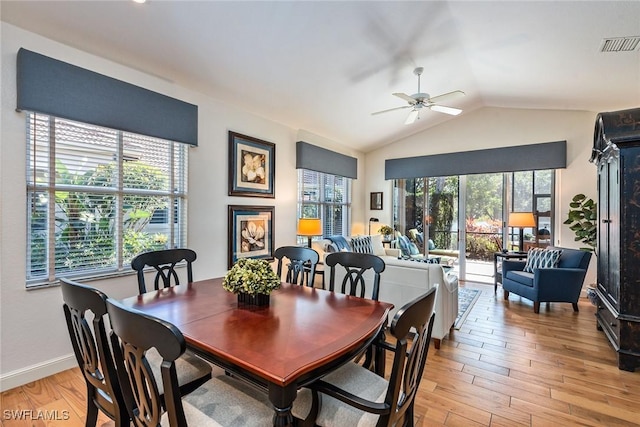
36,372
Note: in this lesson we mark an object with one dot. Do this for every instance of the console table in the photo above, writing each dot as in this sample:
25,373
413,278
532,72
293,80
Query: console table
497,274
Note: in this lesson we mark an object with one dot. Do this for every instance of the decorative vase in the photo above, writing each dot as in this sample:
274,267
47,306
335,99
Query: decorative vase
249,299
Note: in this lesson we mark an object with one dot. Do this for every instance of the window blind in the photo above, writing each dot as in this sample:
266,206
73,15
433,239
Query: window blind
97,197
327,197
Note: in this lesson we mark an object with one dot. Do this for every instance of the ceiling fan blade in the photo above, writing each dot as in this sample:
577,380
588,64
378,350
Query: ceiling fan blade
447,96
446,110
391,109
406,97
413,116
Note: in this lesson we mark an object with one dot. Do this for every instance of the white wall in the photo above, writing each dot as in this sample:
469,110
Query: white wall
34,341
497,127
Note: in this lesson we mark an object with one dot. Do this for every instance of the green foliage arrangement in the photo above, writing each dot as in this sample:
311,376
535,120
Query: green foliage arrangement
251,276
583,221
386,230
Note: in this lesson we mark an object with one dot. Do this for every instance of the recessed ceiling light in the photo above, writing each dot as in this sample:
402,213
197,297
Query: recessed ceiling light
140,1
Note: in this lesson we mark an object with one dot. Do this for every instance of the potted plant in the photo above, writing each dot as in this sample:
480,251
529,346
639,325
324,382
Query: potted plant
583,221
252,280
386,231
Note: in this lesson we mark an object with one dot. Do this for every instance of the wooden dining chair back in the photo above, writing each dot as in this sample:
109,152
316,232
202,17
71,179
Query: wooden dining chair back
359,388
222,401
355,265
134,334
92,351
301,267
164,262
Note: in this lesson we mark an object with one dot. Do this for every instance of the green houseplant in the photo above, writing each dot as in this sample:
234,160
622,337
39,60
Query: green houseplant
252,280
583,221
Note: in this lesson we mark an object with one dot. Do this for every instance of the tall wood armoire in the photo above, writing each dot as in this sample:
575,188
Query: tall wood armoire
616,153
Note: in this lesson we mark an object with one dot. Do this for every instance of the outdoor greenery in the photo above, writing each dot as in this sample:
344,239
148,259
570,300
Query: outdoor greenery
86,220
483,212
251,276
582,220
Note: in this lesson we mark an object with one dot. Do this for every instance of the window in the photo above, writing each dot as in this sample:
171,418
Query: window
97,197
327,197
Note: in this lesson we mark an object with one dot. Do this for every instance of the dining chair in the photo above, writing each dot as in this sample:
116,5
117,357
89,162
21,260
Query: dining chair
302,263
355,265
92,351
95,358
222,401
353,395
164,262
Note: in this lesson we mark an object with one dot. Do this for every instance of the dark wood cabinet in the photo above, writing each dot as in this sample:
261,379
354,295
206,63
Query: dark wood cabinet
617,156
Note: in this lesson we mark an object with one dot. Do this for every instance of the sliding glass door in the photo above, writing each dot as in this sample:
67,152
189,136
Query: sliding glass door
431,212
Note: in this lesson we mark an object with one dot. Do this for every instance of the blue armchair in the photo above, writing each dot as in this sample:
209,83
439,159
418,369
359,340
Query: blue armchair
561,284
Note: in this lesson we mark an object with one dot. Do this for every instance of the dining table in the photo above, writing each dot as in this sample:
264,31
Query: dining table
303,334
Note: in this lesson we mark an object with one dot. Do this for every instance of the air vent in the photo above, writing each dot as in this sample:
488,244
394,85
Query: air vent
620,44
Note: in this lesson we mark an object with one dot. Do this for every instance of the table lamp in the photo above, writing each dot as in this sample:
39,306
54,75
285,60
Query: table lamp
309,227
521,220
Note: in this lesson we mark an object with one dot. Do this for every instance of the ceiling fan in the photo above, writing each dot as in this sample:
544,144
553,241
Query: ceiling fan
420,100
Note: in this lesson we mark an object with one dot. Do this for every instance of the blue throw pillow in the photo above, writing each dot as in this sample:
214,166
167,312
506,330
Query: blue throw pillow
432,245
413,249
403,242
340,243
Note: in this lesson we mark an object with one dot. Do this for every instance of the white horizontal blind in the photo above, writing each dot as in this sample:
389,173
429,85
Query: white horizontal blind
97,197
327,197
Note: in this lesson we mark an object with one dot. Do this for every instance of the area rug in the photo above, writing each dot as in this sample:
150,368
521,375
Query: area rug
466,299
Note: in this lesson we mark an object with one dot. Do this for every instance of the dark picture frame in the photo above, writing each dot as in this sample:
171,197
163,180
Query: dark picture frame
252,166
250,232
376,201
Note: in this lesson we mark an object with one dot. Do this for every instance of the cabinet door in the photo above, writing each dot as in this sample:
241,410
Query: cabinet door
608,234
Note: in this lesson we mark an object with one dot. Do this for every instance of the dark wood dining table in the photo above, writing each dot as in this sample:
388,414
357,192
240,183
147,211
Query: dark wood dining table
303,333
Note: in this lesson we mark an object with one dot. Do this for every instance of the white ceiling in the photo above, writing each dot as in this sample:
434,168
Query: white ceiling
326,66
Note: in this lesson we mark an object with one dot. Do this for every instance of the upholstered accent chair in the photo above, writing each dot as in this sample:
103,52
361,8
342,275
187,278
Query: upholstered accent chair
562,283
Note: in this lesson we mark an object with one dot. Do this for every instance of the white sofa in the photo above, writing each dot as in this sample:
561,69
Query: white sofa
403,280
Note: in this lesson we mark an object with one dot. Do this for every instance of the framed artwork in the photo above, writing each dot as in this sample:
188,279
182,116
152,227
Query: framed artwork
252,166
250,232
376,201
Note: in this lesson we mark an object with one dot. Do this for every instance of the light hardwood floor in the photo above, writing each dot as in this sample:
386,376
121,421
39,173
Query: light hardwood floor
506,366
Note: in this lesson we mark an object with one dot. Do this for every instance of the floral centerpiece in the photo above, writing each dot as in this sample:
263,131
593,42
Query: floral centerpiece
252,279
386,231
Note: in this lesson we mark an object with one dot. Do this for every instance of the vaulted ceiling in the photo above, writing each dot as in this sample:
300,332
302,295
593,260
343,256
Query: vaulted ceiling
326,66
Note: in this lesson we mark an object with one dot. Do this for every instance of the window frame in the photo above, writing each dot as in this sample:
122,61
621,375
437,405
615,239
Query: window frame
42,181
321,204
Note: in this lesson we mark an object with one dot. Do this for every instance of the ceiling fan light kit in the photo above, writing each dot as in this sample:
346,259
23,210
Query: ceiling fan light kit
419,100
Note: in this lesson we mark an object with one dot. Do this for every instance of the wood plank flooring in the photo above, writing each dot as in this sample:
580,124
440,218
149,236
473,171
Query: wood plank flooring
506,366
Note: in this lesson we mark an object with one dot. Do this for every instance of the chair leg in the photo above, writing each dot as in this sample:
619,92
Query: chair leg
92,410
536,307
575,306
